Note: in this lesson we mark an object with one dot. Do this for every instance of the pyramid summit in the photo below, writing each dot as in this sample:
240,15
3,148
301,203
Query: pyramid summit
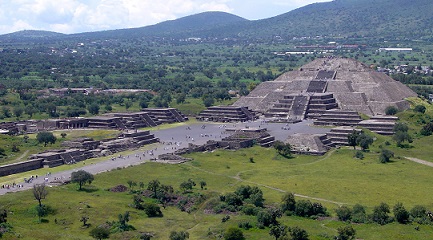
327,84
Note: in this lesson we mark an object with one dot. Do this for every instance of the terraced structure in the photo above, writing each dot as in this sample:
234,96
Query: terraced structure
325,84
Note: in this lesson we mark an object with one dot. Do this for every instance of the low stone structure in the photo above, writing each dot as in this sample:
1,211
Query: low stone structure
80,150
311,144
226,114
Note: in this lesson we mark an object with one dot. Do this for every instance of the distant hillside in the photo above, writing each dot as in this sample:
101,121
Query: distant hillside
372,18
30,35
350,17
185,27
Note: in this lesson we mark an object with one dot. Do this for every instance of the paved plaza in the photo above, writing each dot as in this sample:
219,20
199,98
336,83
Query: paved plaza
171,140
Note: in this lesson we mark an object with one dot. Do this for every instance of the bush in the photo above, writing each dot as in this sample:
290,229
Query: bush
234,234
304,208
359,155
385,155
152,210
420,108
400,213
289,203
358,214
427,129
100,233
346,233
297,233
391,110
344,213
245,225
250,209
380,214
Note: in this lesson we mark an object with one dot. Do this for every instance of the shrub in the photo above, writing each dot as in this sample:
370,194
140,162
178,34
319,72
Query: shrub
400,213
391,110
245,225
380,214
359,155
385,155
358,214
346,233
289,203
100,233
304,208
344,213
152,210
233,234
420,108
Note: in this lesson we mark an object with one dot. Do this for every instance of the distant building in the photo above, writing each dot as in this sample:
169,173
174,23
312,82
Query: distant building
395,49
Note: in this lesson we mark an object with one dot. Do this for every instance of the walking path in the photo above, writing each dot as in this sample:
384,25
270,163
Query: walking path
171,140
427,163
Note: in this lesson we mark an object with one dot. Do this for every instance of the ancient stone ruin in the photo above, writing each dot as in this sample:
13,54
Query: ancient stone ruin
325,84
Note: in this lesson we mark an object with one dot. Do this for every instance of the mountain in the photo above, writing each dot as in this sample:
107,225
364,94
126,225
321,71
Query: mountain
345,18
185,26
350,17
30,35
371,18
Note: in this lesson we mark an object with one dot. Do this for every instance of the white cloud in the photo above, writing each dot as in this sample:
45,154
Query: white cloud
69,16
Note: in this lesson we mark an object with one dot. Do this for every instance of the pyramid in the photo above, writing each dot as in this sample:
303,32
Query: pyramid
325,84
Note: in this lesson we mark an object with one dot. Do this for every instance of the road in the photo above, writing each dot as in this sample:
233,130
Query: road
170,140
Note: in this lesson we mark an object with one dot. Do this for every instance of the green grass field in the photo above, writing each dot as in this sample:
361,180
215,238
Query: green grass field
335,177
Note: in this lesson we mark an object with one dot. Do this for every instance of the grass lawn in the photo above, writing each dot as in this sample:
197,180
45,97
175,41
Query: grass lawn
334,177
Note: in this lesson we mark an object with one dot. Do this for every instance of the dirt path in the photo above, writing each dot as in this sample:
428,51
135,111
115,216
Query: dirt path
22,155
423,162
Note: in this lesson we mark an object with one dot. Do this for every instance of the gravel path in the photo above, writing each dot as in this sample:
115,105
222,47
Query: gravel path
171,139
430,164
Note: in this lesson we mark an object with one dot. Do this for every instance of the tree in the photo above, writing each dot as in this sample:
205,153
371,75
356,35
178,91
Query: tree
63,135
82,177
234,233
152,210
202,184
187,185
400,127
208,101
278,231
154,186
39,193
380,214
289,202
352,139
346,233
400,137
122,224
18,111
93,108
181,235
128,104
344,213
358,214
364,141
420,108
385,155
46,137
304,208
84,220
100,232
391,110
400,213
298,233
283,149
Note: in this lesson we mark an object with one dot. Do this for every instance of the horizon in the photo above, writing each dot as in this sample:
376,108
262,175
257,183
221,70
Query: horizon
79,16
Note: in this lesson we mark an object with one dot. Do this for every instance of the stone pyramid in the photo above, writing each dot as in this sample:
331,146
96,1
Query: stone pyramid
352,85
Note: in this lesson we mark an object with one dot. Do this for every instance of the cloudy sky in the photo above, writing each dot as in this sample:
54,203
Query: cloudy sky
73,16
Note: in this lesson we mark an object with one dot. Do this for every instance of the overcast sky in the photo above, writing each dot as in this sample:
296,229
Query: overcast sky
73,16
